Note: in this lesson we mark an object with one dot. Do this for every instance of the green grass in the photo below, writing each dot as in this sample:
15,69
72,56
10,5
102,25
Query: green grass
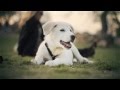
106,66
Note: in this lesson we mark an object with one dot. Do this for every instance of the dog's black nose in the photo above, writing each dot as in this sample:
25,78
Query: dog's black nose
72,38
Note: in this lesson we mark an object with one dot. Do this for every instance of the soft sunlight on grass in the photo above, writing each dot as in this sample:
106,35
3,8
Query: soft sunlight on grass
107,65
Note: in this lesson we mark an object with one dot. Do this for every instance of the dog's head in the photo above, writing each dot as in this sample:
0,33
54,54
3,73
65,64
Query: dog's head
61,33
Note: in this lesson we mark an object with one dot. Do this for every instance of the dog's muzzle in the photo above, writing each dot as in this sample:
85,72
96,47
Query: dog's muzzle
66,44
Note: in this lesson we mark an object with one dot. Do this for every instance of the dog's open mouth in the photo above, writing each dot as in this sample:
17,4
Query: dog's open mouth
65,44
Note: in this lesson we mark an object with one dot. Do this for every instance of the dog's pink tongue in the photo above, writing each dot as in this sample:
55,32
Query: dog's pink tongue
68,45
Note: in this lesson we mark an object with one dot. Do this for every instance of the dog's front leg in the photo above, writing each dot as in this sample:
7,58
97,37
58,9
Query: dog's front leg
64,59
55,62
39,62
38,59
78,56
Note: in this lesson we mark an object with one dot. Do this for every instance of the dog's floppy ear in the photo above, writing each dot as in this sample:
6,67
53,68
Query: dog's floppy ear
72,28
47,27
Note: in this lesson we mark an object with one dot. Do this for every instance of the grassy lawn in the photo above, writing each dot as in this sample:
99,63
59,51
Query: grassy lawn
106,66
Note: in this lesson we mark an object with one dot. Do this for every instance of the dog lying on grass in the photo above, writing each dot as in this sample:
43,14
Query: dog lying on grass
57,47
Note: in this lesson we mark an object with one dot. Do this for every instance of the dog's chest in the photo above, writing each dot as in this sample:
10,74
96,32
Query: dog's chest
57,50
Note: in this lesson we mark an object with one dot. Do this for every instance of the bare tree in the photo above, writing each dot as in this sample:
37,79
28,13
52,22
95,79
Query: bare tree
104,22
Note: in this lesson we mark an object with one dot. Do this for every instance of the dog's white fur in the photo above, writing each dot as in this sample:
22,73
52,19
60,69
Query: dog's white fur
53,35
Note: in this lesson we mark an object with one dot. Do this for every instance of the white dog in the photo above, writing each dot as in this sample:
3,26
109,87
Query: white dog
58,47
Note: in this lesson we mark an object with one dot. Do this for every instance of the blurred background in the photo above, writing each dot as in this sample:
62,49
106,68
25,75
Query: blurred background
100,26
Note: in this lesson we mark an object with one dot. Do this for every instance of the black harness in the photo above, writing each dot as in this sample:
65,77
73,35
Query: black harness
53,57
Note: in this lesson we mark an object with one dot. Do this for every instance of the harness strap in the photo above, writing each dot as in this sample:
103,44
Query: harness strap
53,57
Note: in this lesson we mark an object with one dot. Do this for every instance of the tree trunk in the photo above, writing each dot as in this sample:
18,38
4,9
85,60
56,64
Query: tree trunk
105,36
104,23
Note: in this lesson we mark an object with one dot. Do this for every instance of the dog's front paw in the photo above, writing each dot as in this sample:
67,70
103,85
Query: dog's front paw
36,62
33,61
85,61
49,63
90,62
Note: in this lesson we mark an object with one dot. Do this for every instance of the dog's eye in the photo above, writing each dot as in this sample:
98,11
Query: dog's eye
62,30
